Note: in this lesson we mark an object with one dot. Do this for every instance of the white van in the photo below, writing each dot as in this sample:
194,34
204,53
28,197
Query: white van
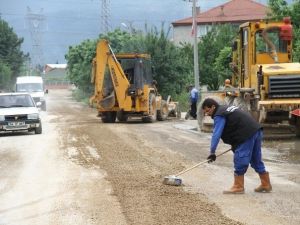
35,86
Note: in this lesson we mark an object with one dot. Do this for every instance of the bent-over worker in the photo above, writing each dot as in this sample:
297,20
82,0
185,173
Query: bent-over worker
238,129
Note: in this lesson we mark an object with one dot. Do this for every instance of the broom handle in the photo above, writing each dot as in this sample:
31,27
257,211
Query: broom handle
200,163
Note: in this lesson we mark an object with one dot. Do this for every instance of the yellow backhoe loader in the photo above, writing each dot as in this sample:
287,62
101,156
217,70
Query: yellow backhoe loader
124,87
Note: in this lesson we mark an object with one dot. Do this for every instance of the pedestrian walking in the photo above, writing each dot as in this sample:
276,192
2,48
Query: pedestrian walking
193,99
238,129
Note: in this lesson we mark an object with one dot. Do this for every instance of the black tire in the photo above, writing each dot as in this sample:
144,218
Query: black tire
109,117
163,112
152,110
121,116
38,130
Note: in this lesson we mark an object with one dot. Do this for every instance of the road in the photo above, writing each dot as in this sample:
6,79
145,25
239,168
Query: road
81,171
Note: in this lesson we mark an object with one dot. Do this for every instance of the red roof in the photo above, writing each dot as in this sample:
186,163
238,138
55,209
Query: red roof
232,11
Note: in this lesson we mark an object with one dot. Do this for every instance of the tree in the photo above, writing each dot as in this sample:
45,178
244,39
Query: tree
221,64
5,76
209,50
79,59
11,56
172,69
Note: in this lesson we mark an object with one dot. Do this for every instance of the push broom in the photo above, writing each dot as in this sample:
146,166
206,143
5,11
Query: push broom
174,180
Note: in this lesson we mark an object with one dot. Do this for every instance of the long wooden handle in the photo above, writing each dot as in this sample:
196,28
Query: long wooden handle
188,169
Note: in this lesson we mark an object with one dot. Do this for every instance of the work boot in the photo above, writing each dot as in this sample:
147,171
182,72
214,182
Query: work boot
238,186
265,183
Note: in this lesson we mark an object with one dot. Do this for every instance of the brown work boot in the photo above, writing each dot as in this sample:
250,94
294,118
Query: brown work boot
265,183
238,186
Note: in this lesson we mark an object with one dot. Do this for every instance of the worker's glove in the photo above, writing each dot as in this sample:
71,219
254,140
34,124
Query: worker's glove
211,158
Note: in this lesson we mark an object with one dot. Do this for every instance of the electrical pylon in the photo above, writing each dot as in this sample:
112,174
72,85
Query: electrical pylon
105,16
36,24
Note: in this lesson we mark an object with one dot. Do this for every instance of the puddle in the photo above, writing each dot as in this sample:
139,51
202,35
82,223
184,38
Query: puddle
284,150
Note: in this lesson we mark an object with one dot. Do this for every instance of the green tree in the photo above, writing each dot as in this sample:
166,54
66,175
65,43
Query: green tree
11,56
5,76
172,69
79,59
212,43
221,64
171,65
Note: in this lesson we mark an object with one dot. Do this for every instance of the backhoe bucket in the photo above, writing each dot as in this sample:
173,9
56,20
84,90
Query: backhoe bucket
108,102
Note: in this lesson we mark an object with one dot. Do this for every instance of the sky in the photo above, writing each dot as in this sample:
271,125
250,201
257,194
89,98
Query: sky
69,22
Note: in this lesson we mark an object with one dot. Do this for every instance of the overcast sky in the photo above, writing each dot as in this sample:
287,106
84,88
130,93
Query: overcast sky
68,22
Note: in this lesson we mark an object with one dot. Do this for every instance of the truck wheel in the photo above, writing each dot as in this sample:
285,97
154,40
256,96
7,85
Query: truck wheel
162,113
38,130
109,117
121,116
152,110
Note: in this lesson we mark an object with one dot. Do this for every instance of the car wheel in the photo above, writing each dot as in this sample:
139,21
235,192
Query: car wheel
38,130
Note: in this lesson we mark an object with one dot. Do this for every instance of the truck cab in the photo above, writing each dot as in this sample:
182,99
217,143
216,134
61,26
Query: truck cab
33,85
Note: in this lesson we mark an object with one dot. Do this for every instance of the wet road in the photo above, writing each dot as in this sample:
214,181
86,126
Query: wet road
284,150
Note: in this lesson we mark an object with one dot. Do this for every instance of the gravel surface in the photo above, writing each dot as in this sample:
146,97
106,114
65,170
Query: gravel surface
81,171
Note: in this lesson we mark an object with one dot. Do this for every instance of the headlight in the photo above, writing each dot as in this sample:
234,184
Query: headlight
33,116
2,118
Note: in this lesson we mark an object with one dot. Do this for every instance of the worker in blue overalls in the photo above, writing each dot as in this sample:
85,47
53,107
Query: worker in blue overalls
193,98
238,129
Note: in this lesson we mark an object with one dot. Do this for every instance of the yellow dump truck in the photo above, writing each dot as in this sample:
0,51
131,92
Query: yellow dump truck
124,87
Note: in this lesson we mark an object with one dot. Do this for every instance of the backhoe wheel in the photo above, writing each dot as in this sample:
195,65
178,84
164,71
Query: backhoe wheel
121,116
152,110
163,112
109,117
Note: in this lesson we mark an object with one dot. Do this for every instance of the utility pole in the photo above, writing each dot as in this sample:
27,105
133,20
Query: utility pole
196,61
195,44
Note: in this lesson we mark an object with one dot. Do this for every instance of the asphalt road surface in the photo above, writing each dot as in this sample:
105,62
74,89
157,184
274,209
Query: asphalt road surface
81,171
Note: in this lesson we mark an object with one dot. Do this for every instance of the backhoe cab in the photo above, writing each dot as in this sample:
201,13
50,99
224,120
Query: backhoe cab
124,87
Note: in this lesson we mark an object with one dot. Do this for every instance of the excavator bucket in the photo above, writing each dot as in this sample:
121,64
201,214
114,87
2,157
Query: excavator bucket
108,102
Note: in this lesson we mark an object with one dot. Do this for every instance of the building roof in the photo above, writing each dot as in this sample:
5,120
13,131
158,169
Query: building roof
57,66
50,67
232,11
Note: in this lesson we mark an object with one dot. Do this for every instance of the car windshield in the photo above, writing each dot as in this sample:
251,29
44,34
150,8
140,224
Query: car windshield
29,87
8,101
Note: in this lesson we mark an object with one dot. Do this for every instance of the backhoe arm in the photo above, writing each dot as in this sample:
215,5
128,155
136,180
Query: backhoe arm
105,57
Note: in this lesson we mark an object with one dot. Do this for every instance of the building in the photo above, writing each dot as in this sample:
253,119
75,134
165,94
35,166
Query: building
233,12
55,76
